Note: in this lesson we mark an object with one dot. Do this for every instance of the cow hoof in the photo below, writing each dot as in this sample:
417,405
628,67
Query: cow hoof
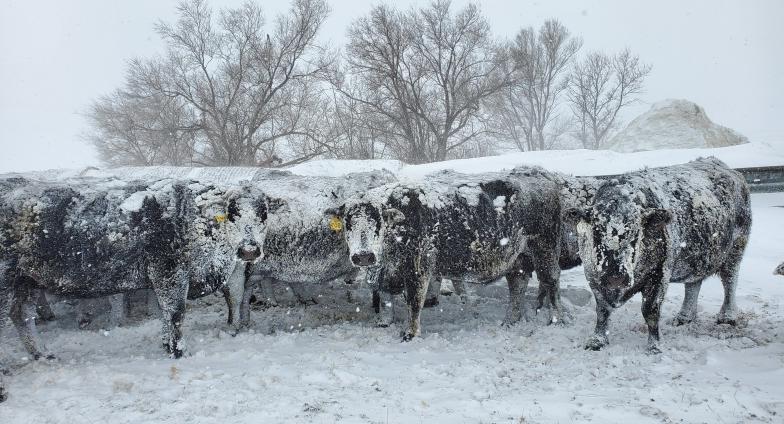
47,356
653,350
595,343
382,323
681,320
727,320
176,353
3,395
511,320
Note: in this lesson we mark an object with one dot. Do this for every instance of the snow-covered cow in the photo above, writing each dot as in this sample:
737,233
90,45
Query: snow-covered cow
472,228
646,229
100,238
302,246
779,269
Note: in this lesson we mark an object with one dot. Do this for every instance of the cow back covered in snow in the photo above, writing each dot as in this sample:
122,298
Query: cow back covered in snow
645,229
462,227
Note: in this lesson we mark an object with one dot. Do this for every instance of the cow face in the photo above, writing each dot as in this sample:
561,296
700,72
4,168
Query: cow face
611,236
233,222
779,269
364,225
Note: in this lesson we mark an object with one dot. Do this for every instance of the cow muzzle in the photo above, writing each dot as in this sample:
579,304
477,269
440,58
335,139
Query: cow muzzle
363,259
249,251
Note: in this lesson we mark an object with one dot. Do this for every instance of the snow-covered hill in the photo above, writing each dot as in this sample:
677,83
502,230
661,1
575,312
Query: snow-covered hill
673,124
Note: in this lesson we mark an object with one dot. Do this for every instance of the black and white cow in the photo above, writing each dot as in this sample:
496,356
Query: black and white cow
649,228
84,241
779,269
473,228
302,246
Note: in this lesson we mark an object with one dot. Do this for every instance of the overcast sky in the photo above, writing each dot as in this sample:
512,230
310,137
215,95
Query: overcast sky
56,56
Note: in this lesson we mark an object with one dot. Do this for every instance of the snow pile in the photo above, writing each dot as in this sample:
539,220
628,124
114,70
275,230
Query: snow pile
674,124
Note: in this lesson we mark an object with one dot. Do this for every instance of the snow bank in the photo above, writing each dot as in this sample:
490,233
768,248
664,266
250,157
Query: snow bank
575,162
674,124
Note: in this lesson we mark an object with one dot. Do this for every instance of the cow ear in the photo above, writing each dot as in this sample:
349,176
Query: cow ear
232,210
576,215
393,216
656,217
335,212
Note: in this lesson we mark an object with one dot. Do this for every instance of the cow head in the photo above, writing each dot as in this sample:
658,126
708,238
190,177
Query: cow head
779,269
364,225
232,221
610,235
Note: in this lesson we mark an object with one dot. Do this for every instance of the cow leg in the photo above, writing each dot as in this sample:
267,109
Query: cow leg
172,293
119,310
548,272
85,311
152,302
599,338
384,307
416,293
5,310
376,302
235,295
42,307
729,279
433,291
227,297
652,298
689,308
302,294
23,317
517,281
268,299
460,290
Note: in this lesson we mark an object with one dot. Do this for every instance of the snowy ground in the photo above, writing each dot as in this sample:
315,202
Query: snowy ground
328,363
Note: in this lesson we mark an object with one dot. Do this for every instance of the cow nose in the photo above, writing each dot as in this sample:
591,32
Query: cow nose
249,251
363,259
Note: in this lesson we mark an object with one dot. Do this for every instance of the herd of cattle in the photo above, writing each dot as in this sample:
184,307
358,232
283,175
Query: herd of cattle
634,233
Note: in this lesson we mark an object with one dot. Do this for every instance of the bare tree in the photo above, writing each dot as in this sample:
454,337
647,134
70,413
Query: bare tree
133,130
600,87
525,112
420,77
250,89
355,138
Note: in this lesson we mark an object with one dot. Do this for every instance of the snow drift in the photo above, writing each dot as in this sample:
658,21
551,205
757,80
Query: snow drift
674,124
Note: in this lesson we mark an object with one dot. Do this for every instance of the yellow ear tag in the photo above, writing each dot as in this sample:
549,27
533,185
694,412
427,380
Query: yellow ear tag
335,224
220,218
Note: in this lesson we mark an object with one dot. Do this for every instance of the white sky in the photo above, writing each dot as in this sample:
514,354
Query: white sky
56,56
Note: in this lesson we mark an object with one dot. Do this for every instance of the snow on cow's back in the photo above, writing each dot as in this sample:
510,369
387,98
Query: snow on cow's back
302,200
